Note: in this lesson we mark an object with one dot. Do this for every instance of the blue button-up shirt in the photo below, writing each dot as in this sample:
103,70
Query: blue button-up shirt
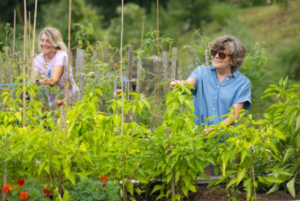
214,99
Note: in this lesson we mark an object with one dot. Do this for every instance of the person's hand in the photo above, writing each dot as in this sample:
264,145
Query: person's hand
173,83
207,130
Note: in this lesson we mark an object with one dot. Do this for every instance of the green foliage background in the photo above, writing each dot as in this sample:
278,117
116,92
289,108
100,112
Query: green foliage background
272,23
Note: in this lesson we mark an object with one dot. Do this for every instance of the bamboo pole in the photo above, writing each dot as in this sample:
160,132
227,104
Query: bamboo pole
28,39
33,43
121,78
24,61
158,67
69,63
14,35
121,64
139,62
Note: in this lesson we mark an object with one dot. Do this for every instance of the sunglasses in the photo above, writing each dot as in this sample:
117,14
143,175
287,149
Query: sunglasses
222,55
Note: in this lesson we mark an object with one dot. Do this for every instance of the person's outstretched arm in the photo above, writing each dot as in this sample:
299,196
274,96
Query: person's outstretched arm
191,81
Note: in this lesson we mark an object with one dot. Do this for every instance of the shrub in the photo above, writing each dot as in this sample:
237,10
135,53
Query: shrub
91,189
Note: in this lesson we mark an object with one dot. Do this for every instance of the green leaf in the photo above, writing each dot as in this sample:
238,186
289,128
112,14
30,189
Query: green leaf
192,188
231,182
240,175
141,178
129,186
98,91
156,188
291,187
298,123
187,181
270,180
185,190
280,171
66,195
273,189
288,153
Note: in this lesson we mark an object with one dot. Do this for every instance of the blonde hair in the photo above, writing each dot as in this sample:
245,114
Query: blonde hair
236,49
55,38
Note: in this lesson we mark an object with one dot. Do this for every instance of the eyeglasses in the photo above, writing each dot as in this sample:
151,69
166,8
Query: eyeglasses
222,55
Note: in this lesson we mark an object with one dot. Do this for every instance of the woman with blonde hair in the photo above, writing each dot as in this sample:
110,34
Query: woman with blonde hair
51,63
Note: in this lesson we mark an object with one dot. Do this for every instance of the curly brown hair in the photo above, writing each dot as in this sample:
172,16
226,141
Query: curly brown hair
236,49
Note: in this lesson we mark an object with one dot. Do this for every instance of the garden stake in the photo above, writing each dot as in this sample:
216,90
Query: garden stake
139,62
28,39
129,75
33,44
79,67
138,76
69,62
32,51
122,94
18,64
14,35
253,173
206,57
8,69
5,172
158,67
172,179
24,61
173,65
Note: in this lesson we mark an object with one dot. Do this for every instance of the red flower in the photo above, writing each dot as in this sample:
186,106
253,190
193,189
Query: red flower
7,188
46,192
23,195
20,182
104,185
103,178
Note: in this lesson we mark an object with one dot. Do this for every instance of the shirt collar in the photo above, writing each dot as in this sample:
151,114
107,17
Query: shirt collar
235,73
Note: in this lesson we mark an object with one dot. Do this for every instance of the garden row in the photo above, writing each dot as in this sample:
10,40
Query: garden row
252,156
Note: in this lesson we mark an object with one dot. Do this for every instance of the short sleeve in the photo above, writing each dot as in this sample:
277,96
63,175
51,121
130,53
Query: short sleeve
244,95
62,59
38,63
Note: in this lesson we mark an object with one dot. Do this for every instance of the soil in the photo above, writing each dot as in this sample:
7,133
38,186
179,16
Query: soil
204,194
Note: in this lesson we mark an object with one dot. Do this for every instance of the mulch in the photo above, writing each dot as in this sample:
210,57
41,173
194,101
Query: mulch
204,194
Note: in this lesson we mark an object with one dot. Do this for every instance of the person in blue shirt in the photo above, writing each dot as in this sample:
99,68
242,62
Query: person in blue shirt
220,86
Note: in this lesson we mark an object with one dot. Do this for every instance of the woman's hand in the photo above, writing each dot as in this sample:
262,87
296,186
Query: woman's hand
207,131
175,82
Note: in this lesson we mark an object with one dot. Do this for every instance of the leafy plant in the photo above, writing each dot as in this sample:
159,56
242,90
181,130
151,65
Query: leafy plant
88,189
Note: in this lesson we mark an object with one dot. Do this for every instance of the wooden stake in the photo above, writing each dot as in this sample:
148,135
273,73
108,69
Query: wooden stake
206,57
69,63
28,39
24,61
18,63
138,79
33,44
139,62
14,35
129,76
173,65
8,68
121,72
165,65
79,66
121,65
158,60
